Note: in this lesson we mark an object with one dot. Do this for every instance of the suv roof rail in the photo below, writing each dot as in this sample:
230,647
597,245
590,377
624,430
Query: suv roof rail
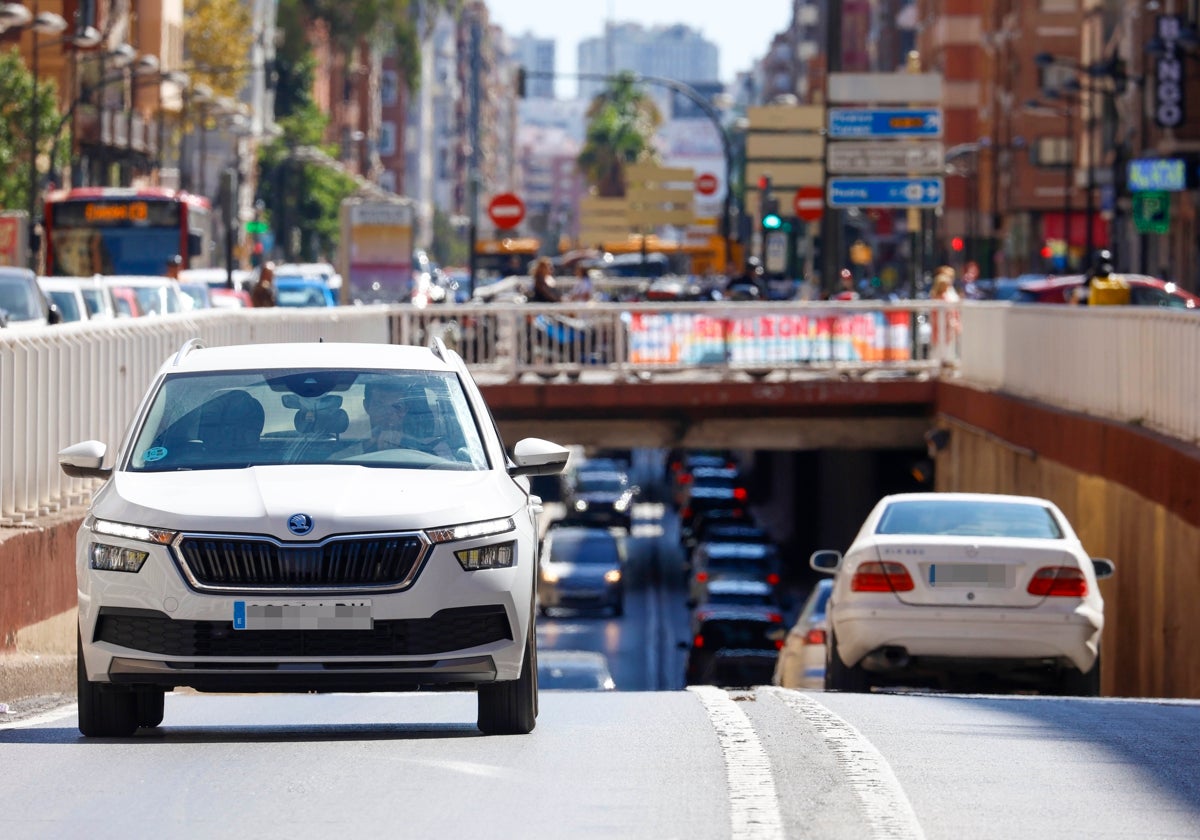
188,346
438,347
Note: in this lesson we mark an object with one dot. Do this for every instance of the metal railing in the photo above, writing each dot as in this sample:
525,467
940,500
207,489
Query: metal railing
60,385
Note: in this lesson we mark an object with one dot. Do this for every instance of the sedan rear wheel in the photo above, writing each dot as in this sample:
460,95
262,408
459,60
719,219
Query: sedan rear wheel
842,677
105,711
1074,683
510,707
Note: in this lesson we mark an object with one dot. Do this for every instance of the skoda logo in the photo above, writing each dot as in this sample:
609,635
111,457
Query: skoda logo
300,523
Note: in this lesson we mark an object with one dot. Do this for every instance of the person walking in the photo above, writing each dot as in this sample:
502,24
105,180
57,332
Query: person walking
263,293
545,287
945,326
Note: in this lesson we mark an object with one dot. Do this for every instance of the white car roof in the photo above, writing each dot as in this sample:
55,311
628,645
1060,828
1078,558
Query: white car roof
964,497
138,280
309,354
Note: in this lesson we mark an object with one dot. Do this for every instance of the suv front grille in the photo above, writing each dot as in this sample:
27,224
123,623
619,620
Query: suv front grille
447,630
380,561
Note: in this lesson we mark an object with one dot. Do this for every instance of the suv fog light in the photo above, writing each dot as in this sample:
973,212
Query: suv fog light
115,558
499,556
612,576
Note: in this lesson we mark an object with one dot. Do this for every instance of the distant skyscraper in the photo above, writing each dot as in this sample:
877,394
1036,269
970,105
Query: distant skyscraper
536,55
673,52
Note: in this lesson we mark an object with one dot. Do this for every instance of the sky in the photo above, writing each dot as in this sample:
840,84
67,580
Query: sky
741,36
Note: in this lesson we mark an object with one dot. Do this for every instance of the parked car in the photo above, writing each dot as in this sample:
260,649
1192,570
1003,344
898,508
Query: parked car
294,557
97,296
733,646
947,587
304,292
581,568
1143,291
574,670
603,498
146,295
801,662
22,302
196,295
66,296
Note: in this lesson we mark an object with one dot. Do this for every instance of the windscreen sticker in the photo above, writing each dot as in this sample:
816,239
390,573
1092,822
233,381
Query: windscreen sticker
155,453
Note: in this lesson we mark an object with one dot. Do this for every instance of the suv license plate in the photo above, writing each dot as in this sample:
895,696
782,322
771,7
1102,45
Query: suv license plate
320,615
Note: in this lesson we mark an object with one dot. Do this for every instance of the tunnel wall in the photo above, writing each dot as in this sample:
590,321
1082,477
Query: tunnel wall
1131,497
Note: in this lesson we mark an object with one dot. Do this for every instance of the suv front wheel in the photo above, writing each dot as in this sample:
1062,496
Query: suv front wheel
510,707
105,711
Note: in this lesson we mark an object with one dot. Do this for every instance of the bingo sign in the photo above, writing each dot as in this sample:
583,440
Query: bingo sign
1168,75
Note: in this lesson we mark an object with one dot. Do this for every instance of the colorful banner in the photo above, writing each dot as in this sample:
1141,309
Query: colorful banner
691,339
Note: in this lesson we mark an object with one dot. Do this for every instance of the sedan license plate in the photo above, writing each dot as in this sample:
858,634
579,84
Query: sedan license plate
968,574
298,615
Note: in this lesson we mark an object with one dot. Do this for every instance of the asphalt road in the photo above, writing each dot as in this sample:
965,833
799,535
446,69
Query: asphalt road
646,761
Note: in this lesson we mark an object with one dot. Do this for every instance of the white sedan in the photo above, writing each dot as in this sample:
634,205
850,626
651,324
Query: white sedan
939,586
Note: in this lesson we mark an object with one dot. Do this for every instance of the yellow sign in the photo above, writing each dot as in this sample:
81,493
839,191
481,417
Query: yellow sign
134,211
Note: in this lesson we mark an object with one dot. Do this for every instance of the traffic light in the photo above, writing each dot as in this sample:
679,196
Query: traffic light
956,243
520,82
772,221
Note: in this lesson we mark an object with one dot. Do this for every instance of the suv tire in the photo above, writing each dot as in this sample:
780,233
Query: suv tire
105,711
510,707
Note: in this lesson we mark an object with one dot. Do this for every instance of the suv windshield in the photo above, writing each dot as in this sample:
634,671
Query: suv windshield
238,419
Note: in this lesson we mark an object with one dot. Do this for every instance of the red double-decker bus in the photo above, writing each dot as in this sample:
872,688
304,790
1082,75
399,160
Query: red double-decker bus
119,230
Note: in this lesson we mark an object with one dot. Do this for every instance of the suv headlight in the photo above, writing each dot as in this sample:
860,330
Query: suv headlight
500,555
118,558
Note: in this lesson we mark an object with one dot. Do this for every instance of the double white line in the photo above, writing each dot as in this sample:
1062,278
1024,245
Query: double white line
753,801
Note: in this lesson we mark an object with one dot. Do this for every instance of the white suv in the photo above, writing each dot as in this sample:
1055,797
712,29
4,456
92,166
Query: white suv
309,517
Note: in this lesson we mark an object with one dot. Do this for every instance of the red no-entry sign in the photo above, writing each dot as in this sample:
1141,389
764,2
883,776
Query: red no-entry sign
809,204
506,210
706,183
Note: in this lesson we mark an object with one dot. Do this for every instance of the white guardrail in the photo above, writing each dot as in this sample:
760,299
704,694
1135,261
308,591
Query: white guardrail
63,384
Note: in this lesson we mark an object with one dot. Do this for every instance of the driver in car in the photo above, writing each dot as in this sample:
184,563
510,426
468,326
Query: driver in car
400,418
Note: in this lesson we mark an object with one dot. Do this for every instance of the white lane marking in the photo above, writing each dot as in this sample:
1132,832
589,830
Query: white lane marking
40,718
753,803
886,807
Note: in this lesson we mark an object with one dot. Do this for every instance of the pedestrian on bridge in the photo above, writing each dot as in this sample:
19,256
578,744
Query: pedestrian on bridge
263,293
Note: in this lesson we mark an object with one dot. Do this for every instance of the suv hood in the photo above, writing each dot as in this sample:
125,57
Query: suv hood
338,498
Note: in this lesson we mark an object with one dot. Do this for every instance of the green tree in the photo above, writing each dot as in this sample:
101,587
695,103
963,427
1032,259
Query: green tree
16,150
218,35
622,121
449,246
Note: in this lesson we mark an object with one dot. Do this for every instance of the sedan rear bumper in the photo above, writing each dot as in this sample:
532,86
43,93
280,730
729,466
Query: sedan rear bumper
966,634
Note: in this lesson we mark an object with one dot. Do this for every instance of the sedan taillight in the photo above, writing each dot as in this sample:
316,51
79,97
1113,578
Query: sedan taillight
815,636
881,577
1065,581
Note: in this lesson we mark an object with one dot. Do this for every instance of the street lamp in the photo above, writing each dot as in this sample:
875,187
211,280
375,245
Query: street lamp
1068,169
14,16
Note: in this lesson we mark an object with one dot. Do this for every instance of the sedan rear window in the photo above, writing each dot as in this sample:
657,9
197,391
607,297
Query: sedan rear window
970,518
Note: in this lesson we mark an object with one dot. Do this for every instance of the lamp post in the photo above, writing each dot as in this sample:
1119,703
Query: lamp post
180,80
48,23
1068,168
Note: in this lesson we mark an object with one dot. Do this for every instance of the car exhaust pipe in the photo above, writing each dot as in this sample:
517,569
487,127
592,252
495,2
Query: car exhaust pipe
890,658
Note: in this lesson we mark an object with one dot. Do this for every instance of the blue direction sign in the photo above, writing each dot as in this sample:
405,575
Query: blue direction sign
885,192
875,123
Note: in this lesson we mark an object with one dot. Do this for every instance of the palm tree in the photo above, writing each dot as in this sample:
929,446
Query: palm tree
622,121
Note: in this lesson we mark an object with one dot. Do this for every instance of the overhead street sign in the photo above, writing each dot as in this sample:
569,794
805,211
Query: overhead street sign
879,123
865,158
885,192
